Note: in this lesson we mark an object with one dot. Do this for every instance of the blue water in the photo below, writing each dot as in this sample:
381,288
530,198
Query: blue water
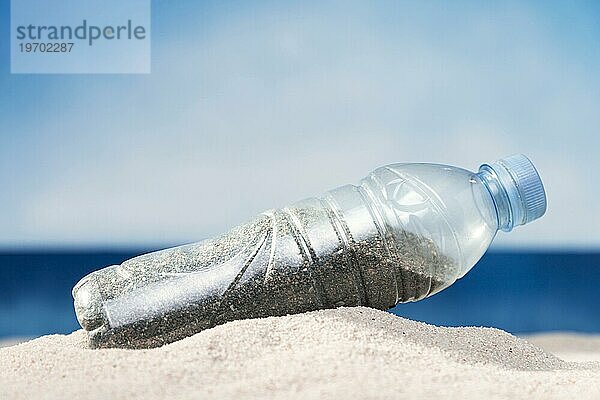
516,291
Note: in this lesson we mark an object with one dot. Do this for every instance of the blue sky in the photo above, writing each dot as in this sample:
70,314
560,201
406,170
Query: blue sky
254,105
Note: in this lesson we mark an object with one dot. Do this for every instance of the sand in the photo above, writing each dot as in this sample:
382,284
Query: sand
333,354
569,346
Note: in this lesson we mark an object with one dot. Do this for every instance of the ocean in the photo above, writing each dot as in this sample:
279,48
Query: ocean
518,291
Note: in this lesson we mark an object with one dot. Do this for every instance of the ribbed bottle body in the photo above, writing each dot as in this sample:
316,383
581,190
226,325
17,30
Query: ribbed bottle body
403,233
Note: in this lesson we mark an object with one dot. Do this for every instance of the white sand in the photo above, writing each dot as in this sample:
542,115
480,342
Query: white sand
569,346
346,353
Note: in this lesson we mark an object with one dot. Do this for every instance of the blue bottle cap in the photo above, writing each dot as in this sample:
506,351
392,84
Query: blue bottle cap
523,187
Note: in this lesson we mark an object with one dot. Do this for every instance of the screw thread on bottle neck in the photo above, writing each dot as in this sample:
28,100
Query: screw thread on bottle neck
500,197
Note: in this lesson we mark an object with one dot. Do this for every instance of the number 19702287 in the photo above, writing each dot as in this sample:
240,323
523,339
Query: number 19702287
37,47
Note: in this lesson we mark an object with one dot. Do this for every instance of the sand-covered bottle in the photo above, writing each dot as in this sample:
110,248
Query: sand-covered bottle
403,233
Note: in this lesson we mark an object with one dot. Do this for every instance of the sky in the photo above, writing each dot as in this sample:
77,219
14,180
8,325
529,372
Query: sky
253,105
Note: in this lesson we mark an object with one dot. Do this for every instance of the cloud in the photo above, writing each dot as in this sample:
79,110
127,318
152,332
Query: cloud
269,106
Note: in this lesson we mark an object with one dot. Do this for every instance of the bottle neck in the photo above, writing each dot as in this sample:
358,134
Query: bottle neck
504,210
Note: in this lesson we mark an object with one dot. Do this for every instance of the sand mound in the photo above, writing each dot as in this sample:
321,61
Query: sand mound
343,353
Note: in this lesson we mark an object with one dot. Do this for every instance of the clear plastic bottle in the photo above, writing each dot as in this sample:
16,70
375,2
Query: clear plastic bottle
403,233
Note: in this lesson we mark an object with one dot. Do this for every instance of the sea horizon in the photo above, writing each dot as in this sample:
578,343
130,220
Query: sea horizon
519,290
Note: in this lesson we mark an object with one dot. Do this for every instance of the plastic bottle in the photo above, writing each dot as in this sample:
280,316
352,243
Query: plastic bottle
403,233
